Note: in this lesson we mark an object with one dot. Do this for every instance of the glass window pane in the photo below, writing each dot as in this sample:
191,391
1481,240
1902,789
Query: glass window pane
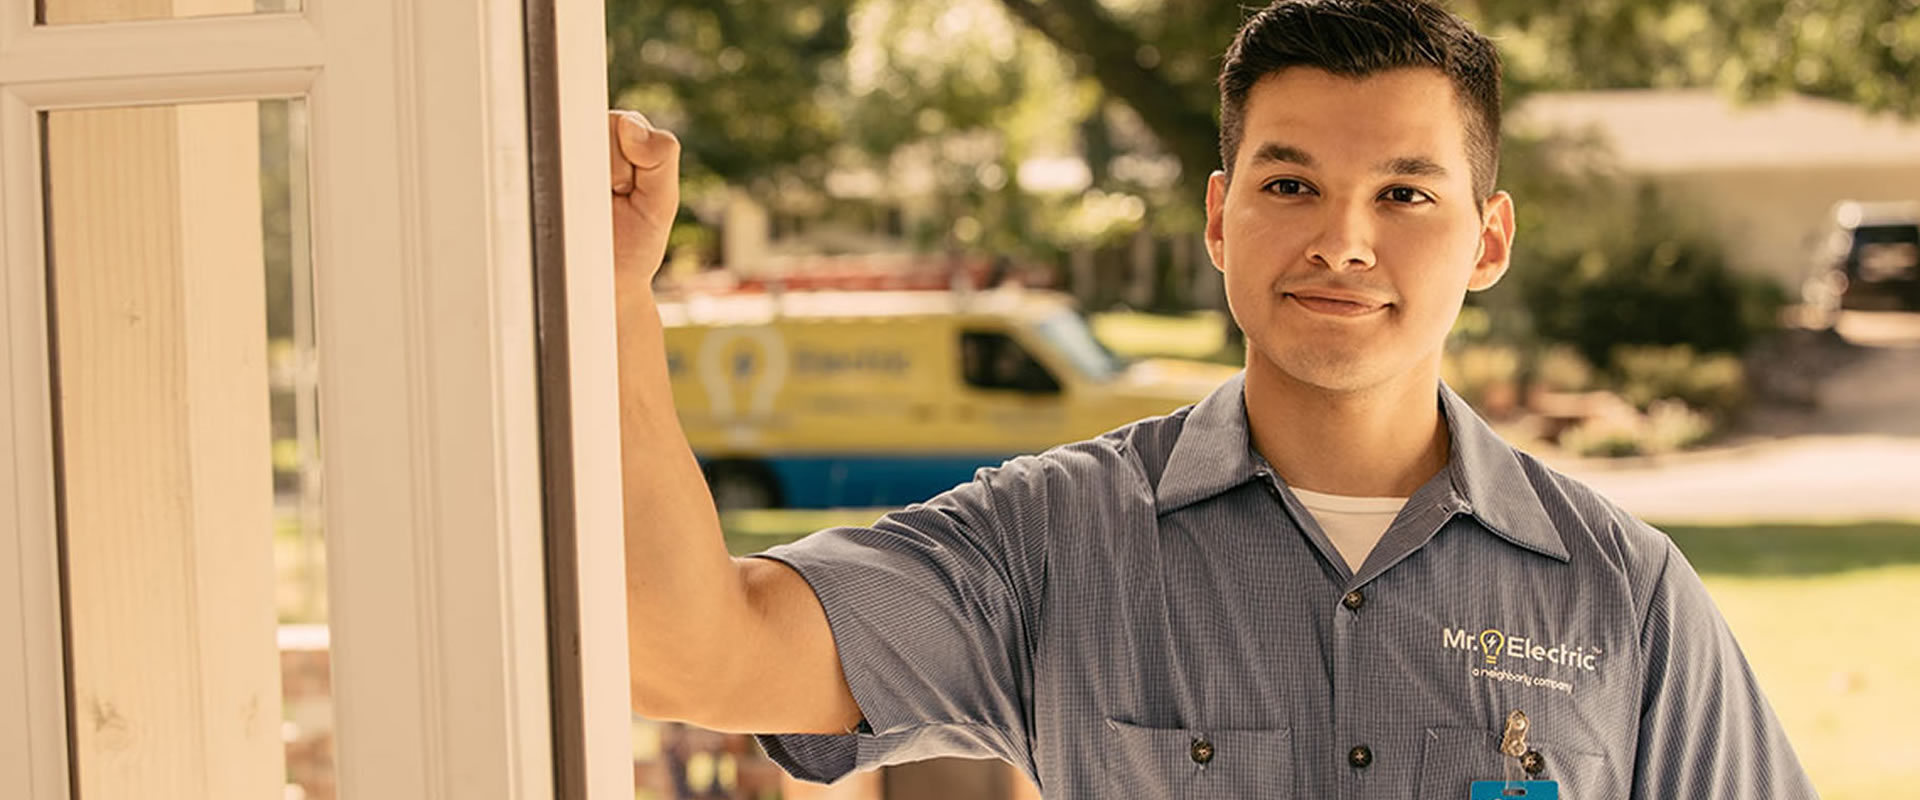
76,12
194,562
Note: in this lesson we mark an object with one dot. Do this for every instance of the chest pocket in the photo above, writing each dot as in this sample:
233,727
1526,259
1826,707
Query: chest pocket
1191,764
1453,758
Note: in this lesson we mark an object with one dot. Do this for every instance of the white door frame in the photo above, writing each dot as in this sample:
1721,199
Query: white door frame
423,267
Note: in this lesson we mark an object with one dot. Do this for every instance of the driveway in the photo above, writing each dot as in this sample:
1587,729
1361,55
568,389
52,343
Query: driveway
1855,454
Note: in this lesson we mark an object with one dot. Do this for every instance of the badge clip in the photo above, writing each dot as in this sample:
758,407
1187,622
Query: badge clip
1517,760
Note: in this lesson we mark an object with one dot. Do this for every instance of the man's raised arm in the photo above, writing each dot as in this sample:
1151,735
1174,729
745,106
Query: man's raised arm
729,644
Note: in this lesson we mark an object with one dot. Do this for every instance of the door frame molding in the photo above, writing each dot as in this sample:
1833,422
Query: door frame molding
424,267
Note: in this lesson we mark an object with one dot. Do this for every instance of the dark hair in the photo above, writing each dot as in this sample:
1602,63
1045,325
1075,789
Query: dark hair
1358,38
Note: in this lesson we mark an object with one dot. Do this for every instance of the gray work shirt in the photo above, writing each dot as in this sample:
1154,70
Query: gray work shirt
1153,614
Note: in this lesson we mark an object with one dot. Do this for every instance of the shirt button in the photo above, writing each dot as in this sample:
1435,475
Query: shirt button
1533,762
1201,751
1360,757
1354,600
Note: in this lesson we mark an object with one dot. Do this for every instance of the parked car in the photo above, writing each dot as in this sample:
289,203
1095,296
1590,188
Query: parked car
828,399
1871,260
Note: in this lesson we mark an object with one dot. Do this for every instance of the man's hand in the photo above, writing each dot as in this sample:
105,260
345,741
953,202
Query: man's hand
646,192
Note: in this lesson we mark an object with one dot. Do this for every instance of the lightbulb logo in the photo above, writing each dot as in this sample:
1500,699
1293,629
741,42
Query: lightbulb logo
1491,640
742,364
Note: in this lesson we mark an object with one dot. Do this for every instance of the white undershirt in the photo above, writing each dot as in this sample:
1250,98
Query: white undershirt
1355,524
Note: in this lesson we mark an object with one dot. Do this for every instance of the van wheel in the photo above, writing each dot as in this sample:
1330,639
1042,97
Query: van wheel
742,484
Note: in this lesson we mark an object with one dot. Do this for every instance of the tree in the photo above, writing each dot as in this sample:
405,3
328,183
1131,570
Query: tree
1157,63
1859,52
746,83
1862,52
940,101
752,82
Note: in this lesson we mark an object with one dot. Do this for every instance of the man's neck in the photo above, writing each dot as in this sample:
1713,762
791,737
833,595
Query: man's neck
1384,441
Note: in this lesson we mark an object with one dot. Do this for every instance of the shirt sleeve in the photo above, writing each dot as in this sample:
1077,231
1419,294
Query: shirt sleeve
1706,731
931,609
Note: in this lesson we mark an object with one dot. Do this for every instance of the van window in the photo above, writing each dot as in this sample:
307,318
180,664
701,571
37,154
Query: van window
995,361
1068,332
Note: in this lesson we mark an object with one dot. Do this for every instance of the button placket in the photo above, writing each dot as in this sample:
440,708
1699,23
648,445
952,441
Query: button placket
1347,713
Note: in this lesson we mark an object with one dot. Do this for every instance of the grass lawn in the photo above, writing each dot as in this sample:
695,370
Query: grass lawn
1201,335
1828,615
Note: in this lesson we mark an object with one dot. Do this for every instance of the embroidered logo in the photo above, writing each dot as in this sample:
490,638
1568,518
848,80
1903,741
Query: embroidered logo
1494,644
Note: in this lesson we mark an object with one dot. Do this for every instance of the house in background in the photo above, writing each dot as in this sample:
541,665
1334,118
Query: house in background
1763,177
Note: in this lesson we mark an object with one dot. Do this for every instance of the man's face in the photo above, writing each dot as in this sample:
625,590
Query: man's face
1350,233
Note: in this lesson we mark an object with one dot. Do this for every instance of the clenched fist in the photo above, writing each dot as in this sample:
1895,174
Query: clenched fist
646,192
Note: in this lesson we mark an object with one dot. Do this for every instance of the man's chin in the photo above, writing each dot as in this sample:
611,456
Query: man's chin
1325,372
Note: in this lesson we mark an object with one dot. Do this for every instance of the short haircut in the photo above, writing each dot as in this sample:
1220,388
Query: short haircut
1359,38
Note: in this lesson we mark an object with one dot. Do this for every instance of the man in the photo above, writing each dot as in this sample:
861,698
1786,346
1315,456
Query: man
1328,579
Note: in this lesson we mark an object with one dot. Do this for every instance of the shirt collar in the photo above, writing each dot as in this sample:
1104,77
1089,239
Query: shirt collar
1214,453
1487,472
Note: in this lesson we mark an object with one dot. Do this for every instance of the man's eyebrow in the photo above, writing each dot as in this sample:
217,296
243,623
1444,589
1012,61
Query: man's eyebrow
1413,166
1274,151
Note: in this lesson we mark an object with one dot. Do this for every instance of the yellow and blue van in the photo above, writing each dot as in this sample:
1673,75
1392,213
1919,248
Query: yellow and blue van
827,399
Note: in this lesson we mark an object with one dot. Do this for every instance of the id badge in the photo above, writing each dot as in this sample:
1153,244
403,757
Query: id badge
1515,790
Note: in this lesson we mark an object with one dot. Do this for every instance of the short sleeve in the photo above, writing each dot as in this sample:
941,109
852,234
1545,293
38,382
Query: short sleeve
1705,728
932,610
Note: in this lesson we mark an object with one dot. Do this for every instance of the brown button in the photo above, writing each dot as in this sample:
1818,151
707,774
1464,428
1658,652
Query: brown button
1201,751
1360,757
1533,762
1354,600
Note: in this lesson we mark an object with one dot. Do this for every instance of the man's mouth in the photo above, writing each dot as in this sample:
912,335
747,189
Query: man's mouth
1336,306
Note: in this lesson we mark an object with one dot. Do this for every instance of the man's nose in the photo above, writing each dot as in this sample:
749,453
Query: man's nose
1345,240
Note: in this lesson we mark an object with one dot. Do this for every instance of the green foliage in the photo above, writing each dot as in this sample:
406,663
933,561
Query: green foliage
773,95
1486,375
1668,426
740,81
1160,56
1602,261
1856,51
758,84
1605,437
1650,287
1715,382
1560,369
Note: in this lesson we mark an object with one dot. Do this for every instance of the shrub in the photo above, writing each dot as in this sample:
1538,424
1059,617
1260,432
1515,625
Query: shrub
1485,375
1671,426
1656,288
1667,427
1604,261
1715,382
1560,368
1609,437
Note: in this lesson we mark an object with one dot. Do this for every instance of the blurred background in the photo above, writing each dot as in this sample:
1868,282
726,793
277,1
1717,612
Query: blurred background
920,236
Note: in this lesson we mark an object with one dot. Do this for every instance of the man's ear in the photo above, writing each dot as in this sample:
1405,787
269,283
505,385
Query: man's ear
1496,243
1216,209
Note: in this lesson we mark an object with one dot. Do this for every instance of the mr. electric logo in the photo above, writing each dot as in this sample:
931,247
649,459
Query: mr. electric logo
1494,644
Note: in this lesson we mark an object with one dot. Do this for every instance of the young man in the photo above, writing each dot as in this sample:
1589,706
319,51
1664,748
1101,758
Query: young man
1328,579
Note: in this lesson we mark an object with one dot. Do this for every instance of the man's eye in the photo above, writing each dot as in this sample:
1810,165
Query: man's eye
1408,195
1287,186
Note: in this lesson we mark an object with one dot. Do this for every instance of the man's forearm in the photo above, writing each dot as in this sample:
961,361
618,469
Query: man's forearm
685,599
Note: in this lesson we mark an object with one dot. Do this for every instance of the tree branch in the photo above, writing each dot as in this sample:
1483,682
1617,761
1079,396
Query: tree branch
1111,53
